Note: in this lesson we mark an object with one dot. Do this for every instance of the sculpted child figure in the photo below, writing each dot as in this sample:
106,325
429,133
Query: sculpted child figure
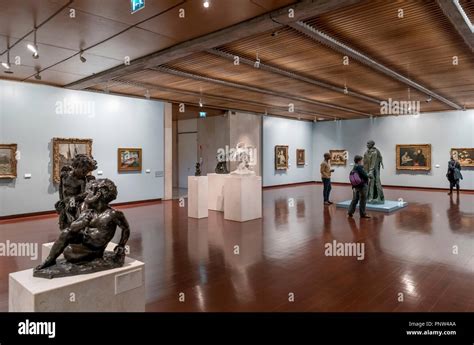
72,188
86,238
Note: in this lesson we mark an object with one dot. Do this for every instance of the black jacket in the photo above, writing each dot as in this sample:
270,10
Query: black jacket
362,174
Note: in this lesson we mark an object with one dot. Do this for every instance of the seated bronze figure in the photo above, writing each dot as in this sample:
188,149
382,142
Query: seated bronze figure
83,243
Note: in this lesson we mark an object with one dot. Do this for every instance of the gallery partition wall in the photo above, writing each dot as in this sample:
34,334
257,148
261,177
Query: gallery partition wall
32,115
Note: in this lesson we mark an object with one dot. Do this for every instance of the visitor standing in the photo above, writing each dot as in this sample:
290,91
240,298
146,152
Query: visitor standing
359,181
326,178
454,175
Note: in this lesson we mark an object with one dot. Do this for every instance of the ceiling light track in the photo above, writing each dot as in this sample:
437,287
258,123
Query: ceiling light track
340,47
168,70
217,98
293,75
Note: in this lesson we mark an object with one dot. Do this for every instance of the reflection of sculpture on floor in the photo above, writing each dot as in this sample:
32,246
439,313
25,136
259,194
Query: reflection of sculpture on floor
72,188
242,156
221,167
83,243
372,163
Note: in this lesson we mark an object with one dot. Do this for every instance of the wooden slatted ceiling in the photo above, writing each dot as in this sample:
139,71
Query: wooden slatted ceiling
421,45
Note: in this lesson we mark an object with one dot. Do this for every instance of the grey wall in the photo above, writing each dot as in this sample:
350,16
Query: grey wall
28,117
213,134
246,128
297,135
442,130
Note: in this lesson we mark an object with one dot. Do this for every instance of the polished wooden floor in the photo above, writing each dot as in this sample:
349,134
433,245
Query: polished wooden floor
408,252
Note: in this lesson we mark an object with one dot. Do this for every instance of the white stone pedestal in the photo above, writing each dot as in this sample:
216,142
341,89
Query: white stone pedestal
117,290
243,197
215,197
197,196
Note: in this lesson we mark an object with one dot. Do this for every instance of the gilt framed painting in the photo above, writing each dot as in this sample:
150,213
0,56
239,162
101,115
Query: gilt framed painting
65,149
8,161
129,159
413,157
281,157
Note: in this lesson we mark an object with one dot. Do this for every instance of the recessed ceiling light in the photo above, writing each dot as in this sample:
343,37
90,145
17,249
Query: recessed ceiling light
206,3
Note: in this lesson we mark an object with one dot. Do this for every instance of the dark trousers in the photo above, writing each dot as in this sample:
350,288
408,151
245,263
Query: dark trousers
359,195
452,184
326,188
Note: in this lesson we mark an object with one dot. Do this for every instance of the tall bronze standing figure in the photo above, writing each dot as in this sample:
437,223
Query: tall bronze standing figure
372,163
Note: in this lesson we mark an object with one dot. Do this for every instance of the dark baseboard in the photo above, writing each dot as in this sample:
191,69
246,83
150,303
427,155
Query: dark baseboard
426,189
290,185
52,213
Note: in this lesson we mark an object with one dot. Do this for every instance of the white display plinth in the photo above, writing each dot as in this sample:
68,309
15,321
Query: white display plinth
215,197
117,290
197,196
243,197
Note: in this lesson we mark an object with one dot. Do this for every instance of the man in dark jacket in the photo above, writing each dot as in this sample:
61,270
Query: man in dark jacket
359,193
454,175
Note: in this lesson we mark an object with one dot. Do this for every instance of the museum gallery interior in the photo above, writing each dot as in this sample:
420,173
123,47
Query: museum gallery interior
238,155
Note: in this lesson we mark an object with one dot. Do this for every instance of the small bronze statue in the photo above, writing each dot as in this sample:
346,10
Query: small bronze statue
84,241
197,172
72,188
372,163
221,167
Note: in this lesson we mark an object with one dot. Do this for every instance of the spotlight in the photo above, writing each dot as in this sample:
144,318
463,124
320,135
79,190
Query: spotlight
429,99
7,65
82,58
201,104
37,76
206,3
147,94
274,33
34,47
257,63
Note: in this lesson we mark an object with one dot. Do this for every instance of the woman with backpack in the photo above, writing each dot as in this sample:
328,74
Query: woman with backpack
454,175
359,180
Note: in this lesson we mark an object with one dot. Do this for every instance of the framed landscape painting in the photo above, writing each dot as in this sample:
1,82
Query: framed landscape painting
338,157
65,149
465,156
129,159
300,157
281,157
8,160
413,157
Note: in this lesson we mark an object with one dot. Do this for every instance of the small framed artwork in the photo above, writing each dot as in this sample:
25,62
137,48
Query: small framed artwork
65,149
129,159
338,157
8,161
300,157
465,156
281,157
413,157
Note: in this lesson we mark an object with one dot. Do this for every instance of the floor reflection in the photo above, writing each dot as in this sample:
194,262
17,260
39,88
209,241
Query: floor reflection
459,221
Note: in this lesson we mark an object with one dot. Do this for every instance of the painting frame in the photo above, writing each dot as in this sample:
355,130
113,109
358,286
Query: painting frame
340,152
413,147
469,150
13,162
300,157
120,166
56,153
284,150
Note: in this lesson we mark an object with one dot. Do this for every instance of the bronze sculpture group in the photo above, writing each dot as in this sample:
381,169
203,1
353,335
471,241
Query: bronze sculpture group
87,224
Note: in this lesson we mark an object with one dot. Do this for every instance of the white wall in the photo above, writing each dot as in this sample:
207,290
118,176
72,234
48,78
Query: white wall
297,135
28,117
443,130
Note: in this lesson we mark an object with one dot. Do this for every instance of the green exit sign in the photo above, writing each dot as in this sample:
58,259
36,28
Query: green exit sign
137,5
